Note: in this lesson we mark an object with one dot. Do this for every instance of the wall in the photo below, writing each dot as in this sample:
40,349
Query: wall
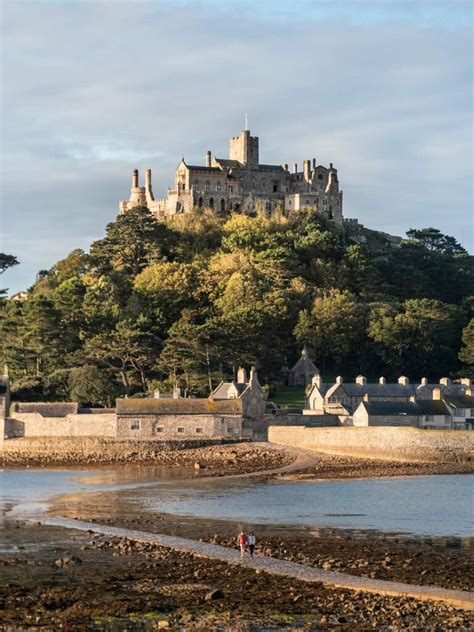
79,425
404,444
213,426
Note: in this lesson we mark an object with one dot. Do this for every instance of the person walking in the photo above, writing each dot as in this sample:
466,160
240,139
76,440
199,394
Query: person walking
243,541
251,541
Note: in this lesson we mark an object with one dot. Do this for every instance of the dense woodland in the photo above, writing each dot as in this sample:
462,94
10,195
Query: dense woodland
153,304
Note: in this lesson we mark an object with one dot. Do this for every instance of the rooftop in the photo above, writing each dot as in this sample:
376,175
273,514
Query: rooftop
179,407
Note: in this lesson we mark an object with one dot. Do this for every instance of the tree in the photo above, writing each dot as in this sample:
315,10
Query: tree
417,337
131,243
6,261
333,328
433,239
466,354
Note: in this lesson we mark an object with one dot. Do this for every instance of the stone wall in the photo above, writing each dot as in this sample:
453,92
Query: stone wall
178,427
403,444
78,425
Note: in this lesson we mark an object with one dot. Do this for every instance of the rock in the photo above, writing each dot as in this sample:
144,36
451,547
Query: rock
213,595
68,561
163,625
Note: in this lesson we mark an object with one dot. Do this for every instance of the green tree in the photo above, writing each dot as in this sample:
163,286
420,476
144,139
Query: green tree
333,328
466,354
433,239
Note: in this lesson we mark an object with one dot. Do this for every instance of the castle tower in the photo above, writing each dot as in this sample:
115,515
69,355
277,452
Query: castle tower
244,148
137,193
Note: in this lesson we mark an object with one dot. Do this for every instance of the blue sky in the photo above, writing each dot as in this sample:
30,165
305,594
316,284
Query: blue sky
91,90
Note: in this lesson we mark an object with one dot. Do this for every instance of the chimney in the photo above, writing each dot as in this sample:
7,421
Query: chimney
465,381
382,380
366,397
314,163
436,392
306,169
403,380
339,379
445,381
208,158
361,379
424,381
241,376
330,165
135,179
295,167
317,380
253,379
286,166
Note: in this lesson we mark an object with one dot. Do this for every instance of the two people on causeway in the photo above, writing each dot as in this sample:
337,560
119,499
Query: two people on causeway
246,542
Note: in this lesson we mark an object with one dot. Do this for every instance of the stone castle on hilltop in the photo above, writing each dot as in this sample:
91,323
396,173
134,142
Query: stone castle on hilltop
241,184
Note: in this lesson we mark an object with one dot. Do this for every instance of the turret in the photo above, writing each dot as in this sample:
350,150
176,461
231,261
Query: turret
148,189
208,158
137,194
307,170
135,179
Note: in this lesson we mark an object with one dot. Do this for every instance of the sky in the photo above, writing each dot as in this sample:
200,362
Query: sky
92,90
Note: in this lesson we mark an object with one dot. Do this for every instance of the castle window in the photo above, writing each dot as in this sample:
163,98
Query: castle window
320,176
289,202
211,203
159,429
307,201
275,187
199,430
200,202
135,424
231,189
218,186
196,184
264,184
207,186
223,205
180,429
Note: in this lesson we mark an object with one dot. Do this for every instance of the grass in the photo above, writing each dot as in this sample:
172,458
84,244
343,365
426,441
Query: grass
289,397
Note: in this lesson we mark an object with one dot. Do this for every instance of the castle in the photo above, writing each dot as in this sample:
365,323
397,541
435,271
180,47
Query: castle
241,184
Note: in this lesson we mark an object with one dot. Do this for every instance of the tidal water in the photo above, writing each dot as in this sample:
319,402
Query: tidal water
419,505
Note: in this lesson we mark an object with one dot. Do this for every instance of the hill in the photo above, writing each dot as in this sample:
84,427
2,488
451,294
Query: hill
189,301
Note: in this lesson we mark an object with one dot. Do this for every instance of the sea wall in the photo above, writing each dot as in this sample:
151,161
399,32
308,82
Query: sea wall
76,425
396,443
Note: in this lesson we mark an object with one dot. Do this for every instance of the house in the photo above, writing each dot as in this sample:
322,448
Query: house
179,419
386,413
434,414
461,408
302,373
248,391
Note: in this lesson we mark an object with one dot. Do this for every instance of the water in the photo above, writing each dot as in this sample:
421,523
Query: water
421,505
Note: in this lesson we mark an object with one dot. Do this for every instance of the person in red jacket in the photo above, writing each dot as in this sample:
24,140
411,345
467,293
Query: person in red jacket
242,540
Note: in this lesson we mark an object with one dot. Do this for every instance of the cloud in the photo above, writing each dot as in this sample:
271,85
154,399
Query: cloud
91,90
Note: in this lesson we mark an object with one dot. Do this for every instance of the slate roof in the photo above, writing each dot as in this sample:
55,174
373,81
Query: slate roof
48,409
270,168
201,168
179,407
304,364
391,408
230,164
432,407
459,401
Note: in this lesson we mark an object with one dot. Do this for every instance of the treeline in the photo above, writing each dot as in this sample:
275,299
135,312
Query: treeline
153,304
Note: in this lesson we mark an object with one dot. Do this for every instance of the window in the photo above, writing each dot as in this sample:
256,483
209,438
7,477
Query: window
180,429
460,412
223,205
135,424
218,186
231,189
211,203
289,202
264,184
196,184
320,176
159,429
275,187
307,201
429,418
200,202
472,412
207,186
199,430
